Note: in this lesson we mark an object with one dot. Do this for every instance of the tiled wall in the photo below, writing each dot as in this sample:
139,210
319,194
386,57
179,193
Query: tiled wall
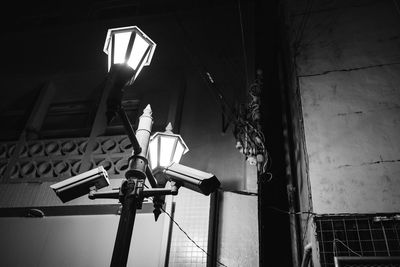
192,215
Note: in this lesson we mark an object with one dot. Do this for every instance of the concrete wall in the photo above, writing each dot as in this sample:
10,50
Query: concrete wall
348,68
77,241
237,227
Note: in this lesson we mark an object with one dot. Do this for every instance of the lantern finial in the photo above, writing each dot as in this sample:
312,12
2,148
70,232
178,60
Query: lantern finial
169,128
147,111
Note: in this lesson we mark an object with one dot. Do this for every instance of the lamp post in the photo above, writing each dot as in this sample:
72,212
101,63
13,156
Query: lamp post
129,49
131,191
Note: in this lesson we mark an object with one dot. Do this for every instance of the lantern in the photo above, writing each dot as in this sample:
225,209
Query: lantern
129,46
165,148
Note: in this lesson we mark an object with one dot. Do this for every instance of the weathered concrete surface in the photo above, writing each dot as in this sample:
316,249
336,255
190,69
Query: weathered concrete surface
349,66
77,241
352,128
349,34
234,245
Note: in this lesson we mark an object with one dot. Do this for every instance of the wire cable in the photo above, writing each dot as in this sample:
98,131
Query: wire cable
187,235
346,246
243,42
288,212
303,23
309,216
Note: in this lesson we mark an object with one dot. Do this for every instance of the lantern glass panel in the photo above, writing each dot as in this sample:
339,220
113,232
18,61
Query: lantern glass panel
138,52
167,147
153,152
180,149
121,41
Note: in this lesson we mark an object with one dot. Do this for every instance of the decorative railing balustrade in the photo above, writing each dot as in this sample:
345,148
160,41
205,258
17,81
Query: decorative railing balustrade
53,159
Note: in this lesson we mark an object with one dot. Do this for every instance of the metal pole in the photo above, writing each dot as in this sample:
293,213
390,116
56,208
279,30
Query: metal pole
125,229
131,191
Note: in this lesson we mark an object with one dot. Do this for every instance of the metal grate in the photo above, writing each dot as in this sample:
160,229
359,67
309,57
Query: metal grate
357,236
367,261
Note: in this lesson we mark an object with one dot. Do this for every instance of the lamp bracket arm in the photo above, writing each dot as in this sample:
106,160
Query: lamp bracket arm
156,192
111,194
159,192
129,129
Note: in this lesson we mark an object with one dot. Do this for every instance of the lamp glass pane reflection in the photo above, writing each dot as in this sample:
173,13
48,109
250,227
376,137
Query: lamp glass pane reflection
138,50
165,148
167,144
130,46
121,41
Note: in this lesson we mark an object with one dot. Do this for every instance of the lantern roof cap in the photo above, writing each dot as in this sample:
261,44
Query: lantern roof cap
168,132
168,128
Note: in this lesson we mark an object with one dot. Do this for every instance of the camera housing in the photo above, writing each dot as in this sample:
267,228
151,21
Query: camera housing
81,184
193,179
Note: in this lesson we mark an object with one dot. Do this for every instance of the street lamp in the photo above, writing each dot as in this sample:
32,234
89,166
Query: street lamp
165,148
129,46
129,49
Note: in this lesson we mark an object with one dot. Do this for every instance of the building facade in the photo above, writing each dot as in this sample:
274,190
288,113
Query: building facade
345,83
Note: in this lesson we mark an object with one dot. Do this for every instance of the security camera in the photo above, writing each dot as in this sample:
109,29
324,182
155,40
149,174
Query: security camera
196,180
81,184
